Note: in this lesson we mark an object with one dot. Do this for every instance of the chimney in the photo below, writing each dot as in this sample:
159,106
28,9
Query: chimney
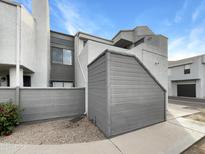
40,12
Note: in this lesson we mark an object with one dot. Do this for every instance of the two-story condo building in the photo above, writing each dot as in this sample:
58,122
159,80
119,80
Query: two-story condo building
31,55
187,77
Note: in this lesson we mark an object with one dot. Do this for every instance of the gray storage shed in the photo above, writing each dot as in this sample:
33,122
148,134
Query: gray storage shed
122,94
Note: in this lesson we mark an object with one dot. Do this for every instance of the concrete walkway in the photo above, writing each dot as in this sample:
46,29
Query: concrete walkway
170,137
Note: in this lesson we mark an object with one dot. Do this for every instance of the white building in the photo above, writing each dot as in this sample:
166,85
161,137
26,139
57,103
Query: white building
24,44
32,55
187,77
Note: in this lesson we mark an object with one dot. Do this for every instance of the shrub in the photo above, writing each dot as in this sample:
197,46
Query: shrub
9,118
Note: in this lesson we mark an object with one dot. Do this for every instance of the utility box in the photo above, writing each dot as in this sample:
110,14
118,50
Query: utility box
122,94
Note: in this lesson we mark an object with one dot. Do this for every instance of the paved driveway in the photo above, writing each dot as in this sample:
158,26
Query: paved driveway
170,137
191,102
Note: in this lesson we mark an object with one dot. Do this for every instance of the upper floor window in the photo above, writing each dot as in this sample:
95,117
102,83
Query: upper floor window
84,42
67,57
187,69
61,56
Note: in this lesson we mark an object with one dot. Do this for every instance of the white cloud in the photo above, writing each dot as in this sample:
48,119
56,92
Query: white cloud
198,11
189,45
182,12
74,20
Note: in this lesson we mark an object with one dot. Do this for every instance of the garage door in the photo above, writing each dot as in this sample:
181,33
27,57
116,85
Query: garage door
186,90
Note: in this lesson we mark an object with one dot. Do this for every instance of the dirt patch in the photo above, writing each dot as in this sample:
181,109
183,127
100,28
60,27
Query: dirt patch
197,148
61,131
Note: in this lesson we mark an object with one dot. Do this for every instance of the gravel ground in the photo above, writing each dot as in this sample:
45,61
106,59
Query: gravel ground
60,131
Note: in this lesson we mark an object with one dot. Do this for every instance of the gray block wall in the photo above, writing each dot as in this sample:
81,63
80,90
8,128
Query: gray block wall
129,97
47,103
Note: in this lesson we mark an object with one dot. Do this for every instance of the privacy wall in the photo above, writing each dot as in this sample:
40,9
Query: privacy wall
122,94
46,103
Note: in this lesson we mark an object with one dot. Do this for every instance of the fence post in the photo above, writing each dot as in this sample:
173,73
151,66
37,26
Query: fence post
18,96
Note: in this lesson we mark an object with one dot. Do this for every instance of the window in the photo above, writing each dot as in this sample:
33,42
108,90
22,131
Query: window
61,56
57,84
84,42
67,57
139,42
187,69
57,55
62,84
26,81
68,84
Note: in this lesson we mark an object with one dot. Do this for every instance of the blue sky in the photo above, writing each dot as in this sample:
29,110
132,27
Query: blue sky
182,21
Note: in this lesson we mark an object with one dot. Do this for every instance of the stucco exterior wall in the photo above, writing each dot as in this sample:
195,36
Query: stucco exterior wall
177,73
8,33
40,12
28,48
12,75
156,60
202,75
87,55
196,76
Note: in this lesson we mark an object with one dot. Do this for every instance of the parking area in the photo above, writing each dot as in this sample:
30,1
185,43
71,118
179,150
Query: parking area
191,102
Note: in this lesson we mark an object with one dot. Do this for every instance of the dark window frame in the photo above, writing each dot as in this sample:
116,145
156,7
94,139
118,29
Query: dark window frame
61,52
187,70
25,77
140,41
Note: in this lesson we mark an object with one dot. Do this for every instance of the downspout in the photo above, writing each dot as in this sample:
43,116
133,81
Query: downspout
18,49
81,69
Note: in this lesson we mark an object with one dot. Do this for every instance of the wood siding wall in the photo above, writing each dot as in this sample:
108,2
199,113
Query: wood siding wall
7,95
136,99
61,72
123,95
47,103
97,94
